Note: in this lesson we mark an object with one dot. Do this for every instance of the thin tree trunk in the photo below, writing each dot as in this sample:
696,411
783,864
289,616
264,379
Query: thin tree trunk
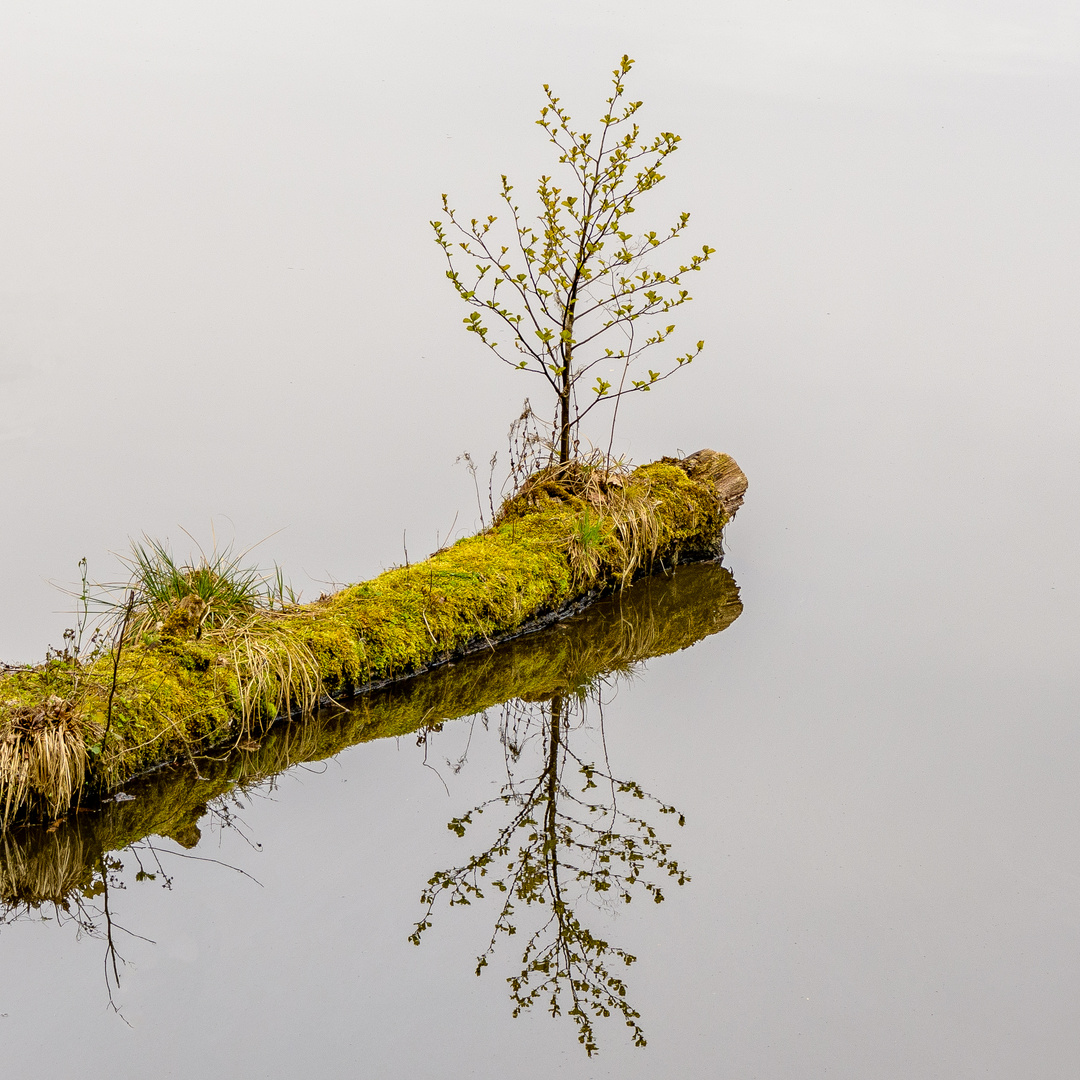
568,356
564,419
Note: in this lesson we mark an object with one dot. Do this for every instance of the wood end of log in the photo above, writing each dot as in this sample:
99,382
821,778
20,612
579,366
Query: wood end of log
722,471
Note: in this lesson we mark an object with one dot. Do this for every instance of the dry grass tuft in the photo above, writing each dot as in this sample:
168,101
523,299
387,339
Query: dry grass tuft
635,530
617,527
275,670
43,757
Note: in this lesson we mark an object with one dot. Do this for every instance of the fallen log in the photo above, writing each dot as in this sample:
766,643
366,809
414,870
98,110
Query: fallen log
61,863
566,537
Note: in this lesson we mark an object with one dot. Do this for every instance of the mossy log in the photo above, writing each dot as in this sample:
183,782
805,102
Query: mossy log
68,730
61,862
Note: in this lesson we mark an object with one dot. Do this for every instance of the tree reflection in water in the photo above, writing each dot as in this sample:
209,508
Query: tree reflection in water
569,843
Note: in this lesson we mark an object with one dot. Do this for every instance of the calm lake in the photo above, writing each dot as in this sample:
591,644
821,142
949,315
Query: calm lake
221,311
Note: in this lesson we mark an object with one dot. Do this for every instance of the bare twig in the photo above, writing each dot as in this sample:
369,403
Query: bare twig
116,666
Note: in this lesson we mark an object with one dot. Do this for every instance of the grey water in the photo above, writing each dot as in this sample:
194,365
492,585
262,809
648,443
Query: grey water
221,311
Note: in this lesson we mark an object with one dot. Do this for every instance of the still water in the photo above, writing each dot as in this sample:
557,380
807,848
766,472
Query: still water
221,310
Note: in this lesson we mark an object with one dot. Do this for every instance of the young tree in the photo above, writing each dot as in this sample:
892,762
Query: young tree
571,294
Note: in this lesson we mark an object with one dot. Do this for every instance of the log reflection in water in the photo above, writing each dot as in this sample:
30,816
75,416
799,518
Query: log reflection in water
68,868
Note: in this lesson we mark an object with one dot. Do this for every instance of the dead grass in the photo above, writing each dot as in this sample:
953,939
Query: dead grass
275,670
617,529
43,758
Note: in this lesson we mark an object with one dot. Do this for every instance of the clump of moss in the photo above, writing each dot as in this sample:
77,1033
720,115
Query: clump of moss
187,681
185,619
